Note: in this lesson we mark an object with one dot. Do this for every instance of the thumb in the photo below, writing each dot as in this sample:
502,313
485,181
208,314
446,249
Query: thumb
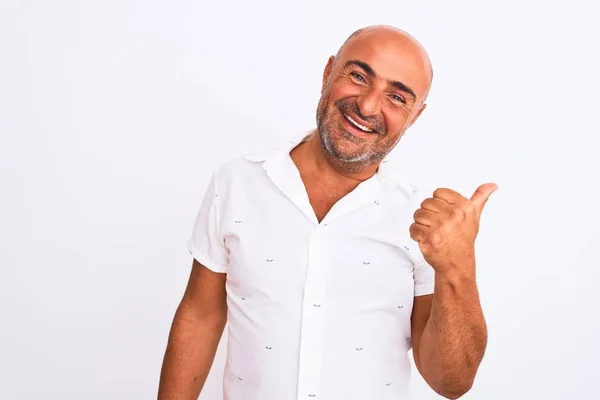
482,194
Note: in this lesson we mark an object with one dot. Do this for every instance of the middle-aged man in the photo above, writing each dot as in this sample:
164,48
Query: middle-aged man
322,260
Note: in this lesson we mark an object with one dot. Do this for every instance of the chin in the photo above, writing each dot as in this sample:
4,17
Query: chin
343,153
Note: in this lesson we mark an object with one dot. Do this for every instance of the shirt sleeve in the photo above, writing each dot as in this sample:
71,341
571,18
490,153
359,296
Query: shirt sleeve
424,276
207,244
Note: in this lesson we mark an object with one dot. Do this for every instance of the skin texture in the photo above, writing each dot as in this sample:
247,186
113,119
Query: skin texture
380,77
449,345
195,334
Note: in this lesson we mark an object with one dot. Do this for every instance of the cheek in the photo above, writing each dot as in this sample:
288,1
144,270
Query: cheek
324,103
396,124
342,89
398,120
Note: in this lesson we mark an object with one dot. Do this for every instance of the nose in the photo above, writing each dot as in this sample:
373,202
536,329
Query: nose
369,103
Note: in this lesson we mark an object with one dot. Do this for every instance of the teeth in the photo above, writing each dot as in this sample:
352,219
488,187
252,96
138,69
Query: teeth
359,126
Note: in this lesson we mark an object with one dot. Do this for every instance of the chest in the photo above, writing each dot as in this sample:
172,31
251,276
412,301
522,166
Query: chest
322,197
322,200
278,256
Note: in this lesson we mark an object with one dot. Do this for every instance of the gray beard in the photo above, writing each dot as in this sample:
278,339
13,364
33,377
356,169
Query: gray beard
351,164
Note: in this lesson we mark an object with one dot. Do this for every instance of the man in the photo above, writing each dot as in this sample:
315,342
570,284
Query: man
322,261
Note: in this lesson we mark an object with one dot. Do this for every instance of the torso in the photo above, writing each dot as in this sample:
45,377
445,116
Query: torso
314,310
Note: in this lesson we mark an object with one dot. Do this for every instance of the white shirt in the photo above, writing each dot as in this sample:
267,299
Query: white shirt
315,310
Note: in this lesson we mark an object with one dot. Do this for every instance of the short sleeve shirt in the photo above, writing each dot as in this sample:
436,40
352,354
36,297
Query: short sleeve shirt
316,310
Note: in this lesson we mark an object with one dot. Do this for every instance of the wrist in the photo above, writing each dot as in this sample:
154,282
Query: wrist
456,278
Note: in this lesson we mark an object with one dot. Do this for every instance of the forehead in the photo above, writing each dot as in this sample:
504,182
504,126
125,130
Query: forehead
392,57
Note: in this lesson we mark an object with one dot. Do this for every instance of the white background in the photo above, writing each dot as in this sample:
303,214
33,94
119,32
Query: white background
113,114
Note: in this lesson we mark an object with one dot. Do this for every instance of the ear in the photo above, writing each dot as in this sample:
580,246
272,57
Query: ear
327,72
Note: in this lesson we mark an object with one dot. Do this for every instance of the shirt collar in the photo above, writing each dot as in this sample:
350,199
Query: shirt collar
386,172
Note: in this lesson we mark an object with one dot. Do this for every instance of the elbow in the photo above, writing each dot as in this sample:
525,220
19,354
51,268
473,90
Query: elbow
454,391
449,386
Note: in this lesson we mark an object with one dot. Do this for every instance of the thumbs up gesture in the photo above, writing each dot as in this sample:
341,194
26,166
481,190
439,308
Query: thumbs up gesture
446,226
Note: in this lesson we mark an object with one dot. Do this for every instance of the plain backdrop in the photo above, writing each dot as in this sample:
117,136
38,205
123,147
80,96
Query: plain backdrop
114,113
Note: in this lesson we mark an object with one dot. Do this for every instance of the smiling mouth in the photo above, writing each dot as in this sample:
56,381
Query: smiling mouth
358,125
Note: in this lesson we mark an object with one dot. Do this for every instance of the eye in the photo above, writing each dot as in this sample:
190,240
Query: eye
398,98
358,77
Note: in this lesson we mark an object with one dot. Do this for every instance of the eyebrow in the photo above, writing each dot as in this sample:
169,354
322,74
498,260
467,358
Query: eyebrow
369,71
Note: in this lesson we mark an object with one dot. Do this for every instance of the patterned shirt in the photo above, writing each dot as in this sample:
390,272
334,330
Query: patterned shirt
315,310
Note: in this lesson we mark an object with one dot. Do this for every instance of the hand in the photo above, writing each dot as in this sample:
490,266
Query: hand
446,226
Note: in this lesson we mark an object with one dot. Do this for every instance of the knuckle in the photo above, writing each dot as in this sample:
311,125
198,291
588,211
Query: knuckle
435,238
457,213
413,231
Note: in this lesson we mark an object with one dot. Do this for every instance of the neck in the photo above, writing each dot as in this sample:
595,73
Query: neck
310,157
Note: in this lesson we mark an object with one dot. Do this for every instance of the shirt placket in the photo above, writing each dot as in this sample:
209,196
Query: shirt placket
313,318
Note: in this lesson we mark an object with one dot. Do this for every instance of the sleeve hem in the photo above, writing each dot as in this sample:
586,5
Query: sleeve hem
424,289
205,260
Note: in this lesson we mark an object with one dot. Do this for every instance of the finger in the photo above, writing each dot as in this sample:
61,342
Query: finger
425,217
418,232
482,194
436,205
448,195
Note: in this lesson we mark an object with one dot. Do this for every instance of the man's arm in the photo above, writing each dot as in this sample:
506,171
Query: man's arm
195,334
449,336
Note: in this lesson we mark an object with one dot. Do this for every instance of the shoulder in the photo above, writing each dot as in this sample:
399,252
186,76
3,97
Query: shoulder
406,189
241,167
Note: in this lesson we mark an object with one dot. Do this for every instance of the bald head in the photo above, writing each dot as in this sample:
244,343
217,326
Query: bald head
390,33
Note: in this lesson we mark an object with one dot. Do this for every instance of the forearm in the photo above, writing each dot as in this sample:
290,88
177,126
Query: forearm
455,336
190,353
